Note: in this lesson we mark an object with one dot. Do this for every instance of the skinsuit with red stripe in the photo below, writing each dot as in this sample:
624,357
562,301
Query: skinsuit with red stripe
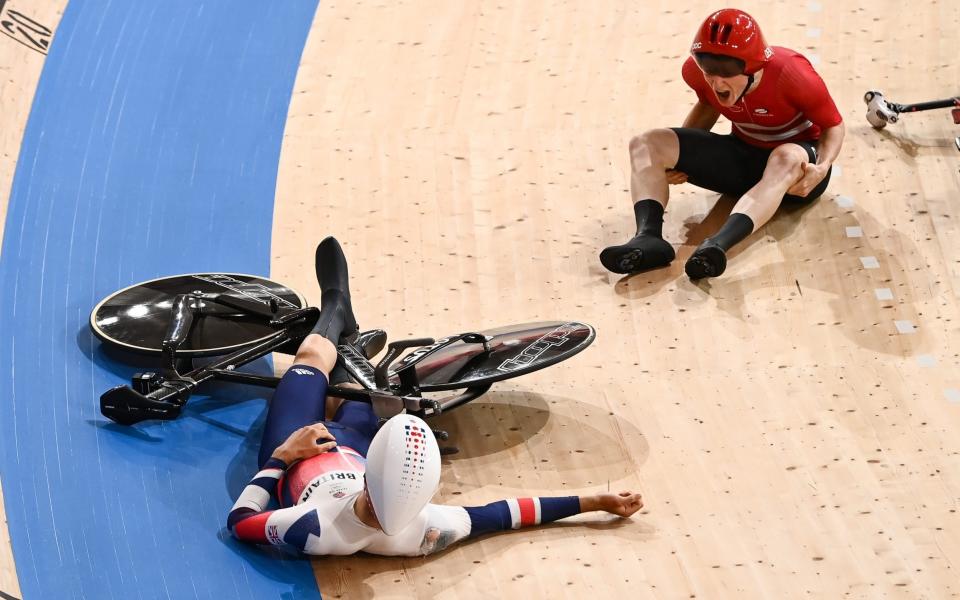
316,496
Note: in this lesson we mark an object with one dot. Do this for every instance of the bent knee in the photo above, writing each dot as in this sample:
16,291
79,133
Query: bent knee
655,145
318,352
785,161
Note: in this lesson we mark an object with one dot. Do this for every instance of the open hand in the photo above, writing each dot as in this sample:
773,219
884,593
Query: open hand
304,443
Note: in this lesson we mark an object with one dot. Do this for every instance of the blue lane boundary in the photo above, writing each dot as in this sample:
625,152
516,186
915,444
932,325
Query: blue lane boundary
152,149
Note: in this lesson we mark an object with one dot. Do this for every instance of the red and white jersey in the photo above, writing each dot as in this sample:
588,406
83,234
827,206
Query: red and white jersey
790,104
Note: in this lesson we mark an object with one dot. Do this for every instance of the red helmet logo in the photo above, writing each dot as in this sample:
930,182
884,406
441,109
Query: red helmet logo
732,32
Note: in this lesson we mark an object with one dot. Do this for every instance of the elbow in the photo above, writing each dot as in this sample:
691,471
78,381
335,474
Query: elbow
235,517
838,133
231,526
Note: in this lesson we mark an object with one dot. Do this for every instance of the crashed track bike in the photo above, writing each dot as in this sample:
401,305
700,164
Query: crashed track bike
236,319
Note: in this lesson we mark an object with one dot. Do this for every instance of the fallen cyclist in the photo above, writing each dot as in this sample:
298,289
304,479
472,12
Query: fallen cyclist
343,485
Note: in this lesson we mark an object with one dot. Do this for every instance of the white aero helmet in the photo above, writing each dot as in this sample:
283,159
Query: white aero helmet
403,471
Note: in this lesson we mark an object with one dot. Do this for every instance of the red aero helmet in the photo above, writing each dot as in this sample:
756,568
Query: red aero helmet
732,32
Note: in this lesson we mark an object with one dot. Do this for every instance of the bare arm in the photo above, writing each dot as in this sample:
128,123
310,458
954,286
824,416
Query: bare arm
701,116
831,139
623,504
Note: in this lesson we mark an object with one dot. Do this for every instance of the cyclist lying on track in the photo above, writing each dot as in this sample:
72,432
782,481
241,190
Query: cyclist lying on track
343,486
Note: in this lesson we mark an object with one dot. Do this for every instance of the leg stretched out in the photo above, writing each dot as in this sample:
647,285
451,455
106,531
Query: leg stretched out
760,177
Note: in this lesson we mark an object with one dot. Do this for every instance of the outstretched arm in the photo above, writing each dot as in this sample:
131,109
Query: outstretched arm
447,525
515,513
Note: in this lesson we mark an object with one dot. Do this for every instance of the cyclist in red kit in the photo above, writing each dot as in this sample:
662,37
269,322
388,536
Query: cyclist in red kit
786,133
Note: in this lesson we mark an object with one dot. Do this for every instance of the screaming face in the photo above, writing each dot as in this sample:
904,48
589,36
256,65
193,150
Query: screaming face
727,89
724,74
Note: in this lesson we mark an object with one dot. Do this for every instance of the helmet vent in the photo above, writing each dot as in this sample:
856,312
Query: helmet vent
403,471
720,33
414,459
734,33
725,31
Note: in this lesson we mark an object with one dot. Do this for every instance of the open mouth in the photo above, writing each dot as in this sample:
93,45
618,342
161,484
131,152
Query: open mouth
723,96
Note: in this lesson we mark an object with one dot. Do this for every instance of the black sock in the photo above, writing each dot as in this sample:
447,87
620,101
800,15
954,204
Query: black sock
649,215
335,316
736,229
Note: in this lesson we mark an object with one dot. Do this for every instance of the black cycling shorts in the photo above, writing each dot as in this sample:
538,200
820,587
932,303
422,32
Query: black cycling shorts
727,165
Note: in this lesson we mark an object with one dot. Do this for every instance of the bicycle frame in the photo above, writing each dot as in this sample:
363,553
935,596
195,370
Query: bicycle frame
163,396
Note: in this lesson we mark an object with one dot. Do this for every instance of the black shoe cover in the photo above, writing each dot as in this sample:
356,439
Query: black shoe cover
642,253
336,312
708,260
331,267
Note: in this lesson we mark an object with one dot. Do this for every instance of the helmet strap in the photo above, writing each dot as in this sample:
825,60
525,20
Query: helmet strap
746,89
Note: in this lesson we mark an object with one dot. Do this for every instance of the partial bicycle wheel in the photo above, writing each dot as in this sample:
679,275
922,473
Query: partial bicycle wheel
514,350
136,318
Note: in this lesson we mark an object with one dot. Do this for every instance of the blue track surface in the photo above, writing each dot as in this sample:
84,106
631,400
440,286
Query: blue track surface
152,149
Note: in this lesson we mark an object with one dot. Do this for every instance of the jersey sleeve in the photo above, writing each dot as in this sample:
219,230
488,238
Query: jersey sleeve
446,525
297,526
248,517
438,527
805,89
693,77
434,529
249,521
515,513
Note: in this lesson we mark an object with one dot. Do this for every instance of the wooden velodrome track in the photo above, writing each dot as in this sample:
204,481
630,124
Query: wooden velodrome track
792,424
